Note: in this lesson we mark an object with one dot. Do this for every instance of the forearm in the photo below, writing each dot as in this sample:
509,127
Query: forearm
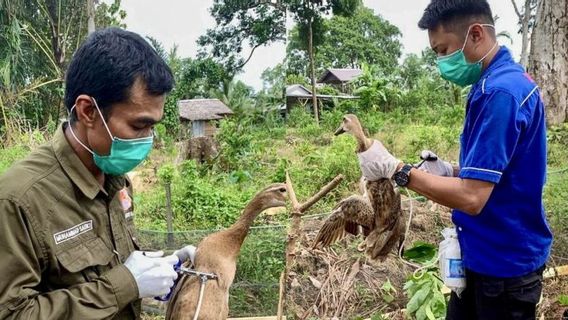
100,299
451,192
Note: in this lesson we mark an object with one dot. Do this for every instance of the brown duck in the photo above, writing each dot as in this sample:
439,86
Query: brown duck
217,254
376,213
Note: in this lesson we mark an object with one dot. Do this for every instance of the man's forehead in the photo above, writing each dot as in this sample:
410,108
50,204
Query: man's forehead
441,35
142,106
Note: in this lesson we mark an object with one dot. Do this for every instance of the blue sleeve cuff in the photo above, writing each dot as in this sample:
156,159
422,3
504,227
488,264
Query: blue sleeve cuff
480,174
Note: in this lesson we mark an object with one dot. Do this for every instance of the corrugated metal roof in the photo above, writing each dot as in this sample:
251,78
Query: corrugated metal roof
339,75
203,109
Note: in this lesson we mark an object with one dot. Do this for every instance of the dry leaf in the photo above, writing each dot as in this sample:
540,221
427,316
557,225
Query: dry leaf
315,282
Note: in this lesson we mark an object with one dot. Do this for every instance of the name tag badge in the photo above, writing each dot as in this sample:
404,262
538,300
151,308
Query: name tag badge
73,232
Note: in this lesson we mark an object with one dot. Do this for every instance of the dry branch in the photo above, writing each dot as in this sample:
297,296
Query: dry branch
295,228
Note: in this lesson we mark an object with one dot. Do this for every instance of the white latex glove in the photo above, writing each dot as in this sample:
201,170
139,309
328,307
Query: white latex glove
377,163
437,167
187,252
154,274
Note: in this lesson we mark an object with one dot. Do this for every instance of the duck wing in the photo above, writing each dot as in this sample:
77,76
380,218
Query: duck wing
346,217
380,243
385,200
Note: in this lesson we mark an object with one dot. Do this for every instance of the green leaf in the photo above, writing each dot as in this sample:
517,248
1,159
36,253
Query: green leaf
422,252
418,299
388,287
388,298
429,312
563,300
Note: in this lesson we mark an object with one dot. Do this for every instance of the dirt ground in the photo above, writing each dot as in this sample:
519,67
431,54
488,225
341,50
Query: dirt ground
341,283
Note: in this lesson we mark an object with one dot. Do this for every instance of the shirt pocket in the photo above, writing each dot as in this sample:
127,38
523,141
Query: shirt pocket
80,260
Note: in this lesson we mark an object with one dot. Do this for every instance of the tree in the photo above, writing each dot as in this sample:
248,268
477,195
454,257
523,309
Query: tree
349,42
548,61
526,22
258,23
37,39
91,16
193,78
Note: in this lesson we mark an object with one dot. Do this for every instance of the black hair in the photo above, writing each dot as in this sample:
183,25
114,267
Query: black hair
455,15
107,65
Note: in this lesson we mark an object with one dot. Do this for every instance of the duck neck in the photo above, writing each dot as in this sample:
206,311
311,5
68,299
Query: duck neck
243,224
363,143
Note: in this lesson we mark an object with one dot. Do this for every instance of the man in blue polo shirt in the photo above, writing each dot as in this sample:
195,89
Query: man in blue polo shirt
496,193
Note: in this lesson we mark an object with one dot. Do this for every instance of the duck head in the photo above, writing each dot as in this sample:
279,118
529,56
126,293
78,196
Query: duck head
352,125
275,195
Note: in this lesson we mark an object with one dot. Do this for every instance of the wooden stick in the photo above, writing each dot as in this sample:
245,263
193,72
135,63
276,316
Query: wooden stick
282,284
295,231
292,194
324,191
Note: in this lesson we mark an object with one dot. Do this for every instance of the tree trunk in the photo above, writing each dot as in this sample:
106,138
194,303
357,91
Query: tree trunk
524,21
548,62
91,16
313,70
525,31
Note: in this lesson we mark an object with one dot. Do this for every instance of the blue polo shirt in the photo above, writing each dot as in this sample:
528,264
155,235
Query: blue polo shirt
504,142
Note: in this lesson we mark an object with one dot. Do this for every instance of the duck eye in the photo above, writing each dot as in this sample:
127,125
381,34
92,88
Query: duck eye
283,190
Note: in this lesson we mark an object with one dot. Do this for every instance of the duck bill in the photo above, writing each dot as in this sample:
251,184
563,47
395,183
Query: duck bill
339,131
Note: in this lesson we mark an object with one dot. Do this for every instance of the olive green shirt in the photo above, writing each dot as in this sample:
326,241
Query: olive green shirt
63,239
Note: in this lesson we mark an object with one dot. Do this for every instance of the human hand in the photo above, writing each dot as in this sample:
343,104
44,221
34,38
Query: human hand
436,167
377,162
187,252
153,273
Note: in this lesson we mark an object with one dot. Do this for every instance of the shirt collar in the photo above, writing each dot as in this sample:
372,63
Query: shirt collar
73,166
503,56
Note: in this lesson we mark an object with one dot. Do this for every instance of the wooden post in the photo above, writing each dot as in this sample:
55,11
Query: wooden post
169,216
295,231
313,70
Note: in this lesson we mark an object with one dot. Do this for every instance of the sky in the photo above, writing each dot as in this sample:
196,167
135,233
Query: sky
181,22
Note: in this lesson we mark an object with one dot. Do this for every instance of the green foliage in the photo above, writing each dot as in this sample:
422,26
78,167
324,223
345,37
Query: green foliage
166,173
421,252
555,195
426,301
558,134
563,300
236,95
37,42
197,201
348,42
388,291
10,155
236,144
194,78
262,23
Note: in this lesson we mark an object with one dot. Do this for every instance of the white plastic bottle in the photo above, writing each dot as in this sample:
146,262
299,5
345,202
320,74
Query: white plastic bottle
451,263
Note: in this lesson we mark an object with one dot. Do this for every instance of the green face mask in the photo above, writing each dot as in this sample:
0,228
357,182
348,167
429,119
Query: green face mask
125,154
455,68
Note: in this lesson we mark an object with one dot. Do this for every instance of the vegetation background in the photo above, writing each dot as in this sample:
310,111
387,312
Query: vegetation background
402,101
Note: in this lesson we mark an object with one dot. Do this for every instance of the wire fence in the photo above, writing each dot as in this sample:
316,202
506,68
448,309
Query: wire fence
255,290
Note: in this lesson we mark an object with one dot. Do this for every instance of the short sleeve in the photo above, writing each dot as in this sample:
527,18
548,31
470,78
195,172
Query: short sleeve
490,139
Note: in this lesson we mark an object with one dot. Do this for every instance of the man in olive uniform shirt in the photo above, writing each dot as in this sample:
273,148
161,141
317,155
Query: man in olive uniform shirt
67,243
